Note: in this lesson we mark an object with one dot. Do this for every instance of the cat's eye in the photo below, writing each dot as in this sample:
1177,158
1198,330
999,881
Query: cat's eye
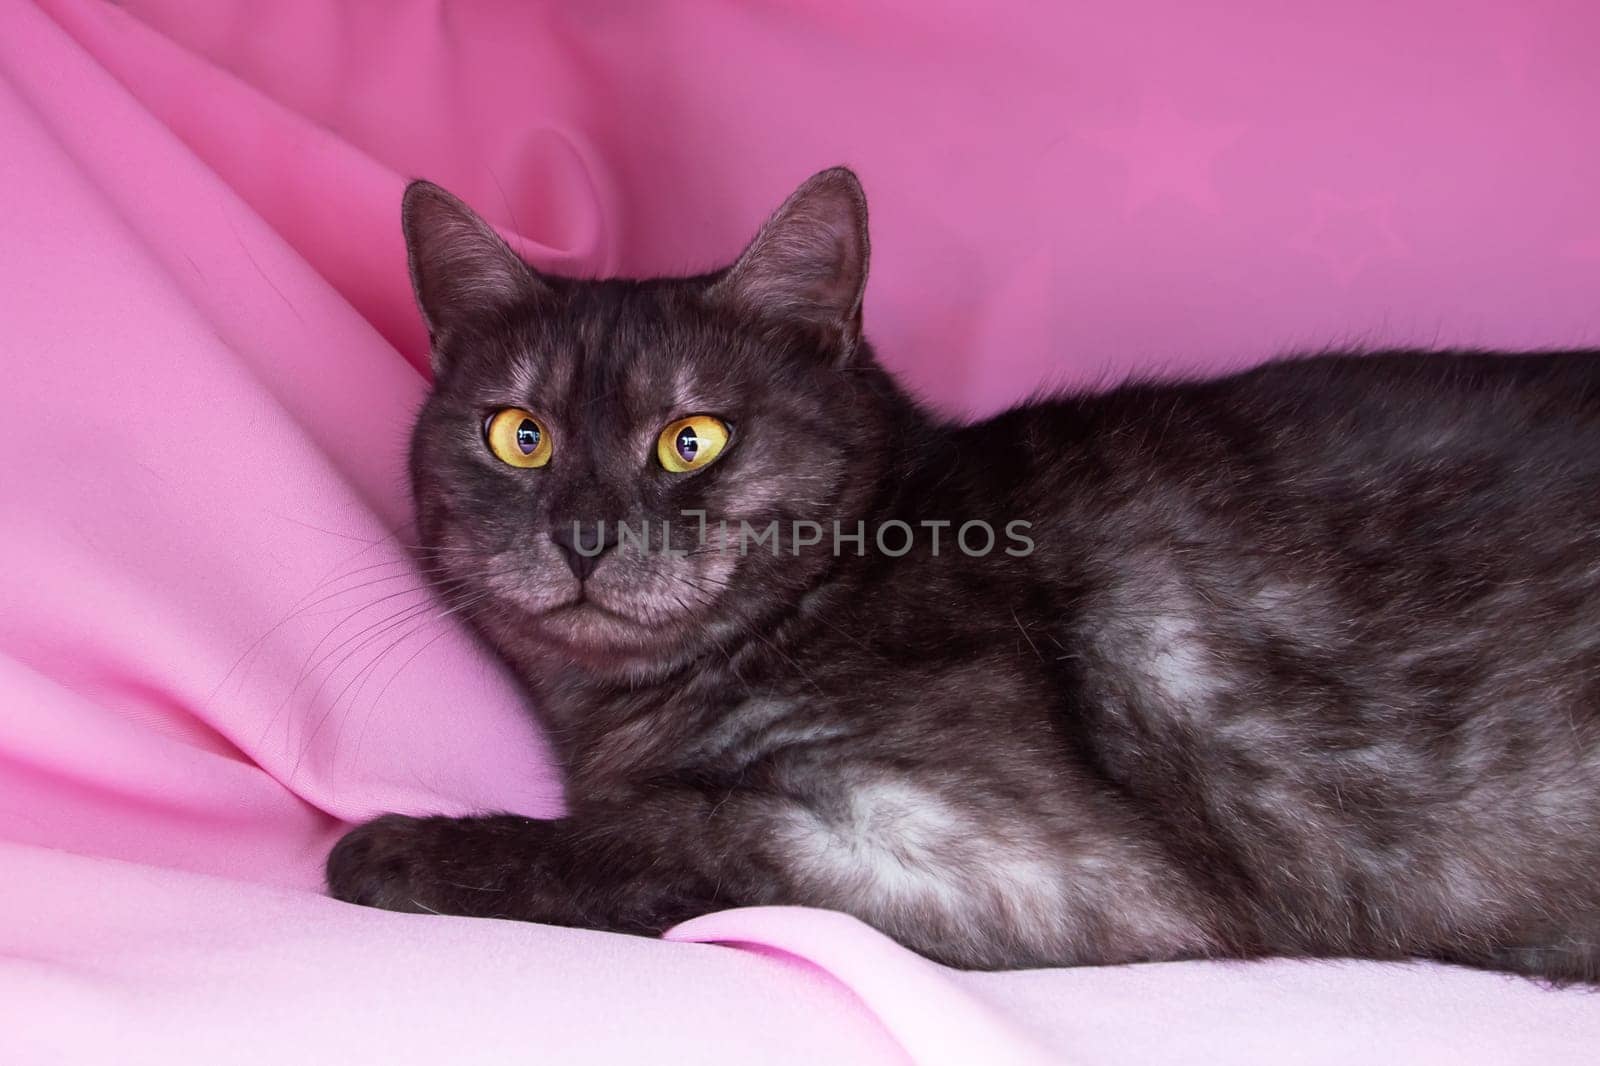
691,443
517,438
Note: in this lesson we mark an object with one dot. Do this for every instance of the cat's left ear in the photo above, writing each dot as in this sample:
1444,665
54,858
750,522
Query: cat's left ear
461,270
809,262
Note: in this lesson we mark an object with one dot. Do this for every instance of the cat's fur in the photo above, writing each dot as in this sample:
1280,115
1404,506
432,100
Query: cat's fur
1305,660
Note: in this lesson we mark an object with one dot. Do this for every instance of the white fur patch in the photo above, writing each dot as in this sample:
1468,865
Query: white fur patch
1176,662
1148,633
901,853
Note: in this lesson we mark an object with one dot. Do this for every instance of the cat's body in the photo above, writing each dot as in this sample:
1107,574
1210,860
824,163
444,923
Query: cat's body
1303,661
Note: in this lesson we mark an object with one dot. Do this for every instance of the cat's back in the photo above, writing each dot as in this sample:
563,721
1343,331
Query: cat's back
1329,413
1339,413
1389,450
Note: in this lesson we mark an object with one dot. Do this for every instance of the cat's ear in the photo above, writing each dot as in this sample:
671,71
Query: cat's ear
809,261
460,268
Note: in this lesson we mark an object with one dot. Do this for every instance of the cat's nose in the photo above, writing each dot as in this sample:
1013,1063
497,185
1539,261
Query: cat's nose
583,543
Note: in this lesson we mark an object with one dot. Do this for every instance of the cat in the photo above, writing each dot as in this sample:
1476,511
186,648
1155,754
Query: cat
1300,661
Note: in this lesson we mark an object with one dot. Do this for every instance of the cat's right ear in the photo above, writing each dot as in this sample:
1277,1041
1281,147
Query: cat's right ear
460,268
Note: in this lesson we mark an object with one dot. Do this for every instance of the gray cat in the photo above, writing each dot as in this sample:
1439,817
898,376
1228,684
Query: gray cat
1301,661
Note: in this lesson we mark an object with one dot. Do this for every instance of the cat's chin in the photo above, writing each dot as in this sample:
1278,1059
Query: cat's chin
589,631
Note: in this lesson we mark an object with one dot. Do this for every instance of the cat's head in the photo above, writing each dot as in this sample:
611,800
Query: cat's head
746,394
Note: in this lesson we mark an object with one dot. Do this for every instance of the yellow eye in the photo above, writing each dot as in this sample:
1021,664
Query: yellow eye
691,443
517,438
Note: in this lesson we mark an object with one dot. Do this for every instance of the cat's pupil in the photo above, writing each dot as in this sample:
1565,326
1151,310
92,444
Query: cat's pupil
688,444
527,437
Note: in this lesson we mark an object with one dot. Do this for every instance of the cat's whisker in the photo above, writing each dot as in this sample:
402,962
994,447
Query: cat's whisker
301,607
309,669
427,617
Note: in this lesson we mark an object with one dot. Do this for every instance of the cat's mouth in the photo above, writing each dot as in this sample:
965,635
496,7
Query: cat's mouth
569,610
594,622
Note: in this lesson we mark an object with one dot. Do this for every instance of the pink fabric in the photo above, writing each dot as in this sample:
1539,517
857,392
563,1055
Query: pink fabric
212,651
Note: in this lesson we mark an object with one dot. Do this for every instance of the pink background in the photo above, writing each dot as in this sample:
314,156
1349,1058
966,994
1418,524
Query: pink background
213,652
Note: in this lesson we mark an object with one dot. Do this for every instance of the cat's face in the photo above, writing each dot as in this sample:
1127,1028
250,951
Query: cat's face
744,396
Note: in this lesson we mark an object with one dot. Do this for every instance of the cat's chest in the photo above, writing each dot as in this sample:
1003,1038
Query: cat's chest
704,730
828,703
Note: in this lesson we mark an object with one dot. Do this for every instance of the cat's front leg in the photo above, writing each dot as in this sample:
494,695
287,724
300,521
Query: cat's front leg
631,870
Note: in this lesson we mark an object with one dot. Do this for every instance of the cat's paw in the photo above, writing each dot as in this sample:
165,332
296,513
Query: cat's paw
387,863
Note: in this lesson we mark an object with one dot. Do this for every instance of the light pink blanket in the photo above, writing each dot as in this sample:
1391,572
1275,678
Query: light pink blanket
213,653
